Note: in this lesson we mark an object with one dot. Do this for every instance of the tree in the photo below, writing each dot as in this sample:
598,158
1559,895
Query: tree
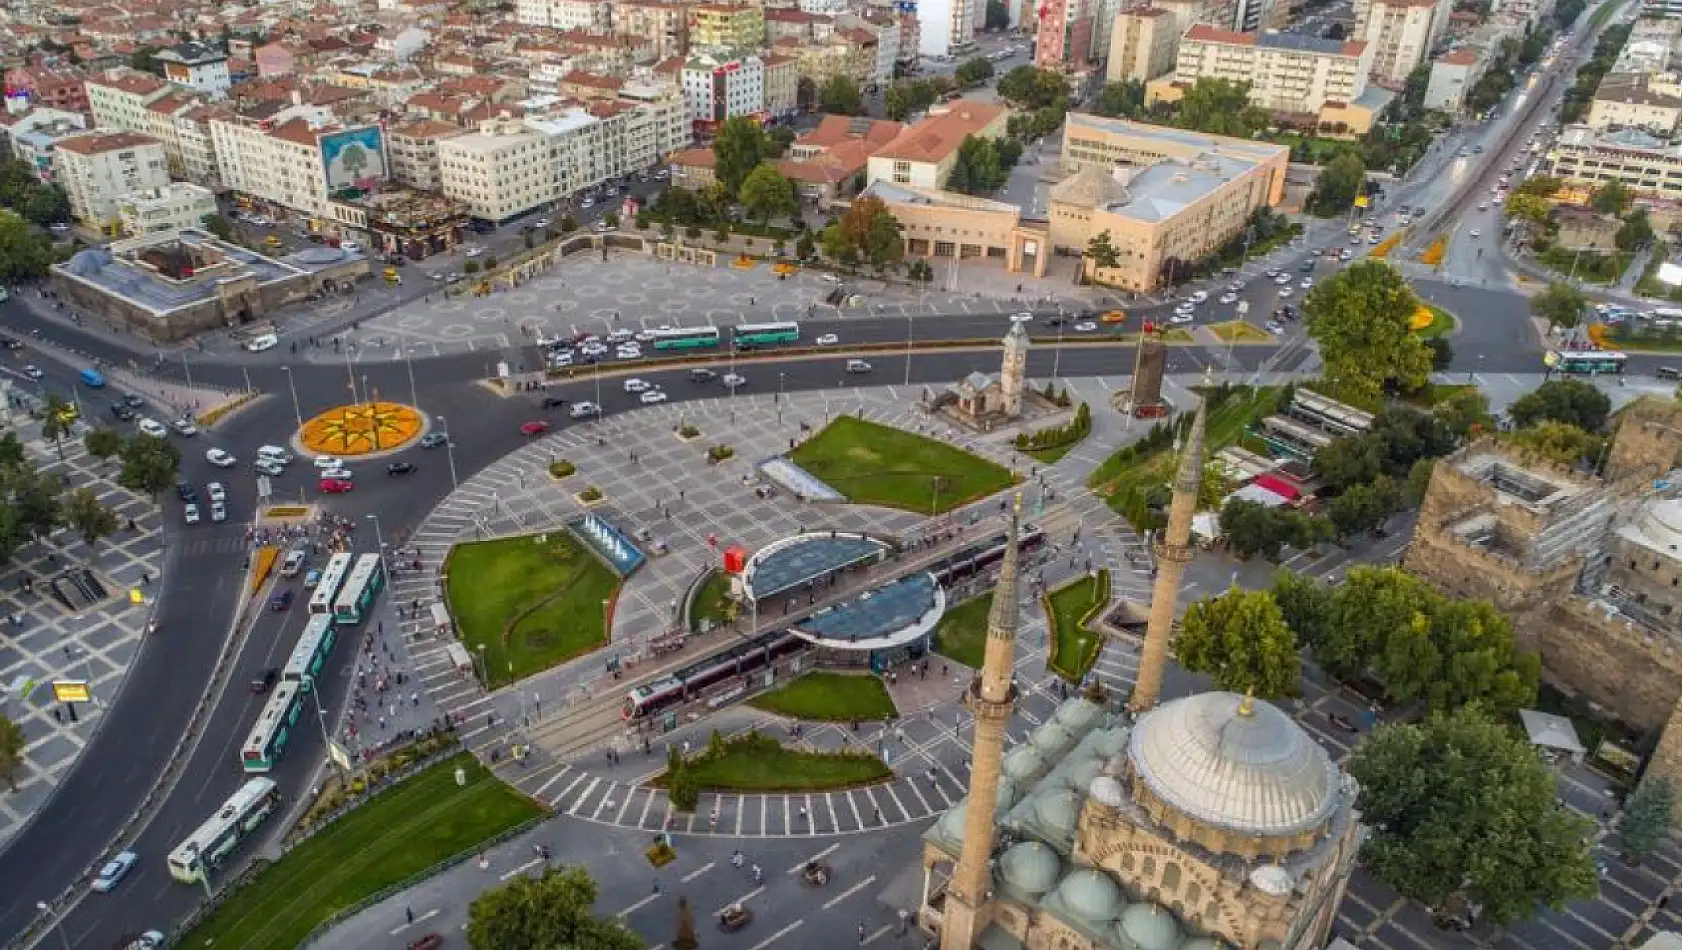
12,744
1636,232
766,192
1461,811
1241,640
219,226
1363,508
88,516
24,254
976,168
1221,107
740,147
47,204
1561,305
1571,401
56,422
145,59
1465,414
1360,318
781,138
549,911
11,450
1614,198
1339,183
1303,604
1559,442
998,16
973,71
102,443
840,95
1528,207
611,219
149,464
1030,88
1125,99
868,231
1646,818
1350,461
1102,252
569,224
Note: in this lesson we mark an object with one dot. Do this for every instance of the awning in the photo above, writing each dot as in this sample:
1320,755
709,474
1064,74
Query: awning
1261,496
1550,731
1278,486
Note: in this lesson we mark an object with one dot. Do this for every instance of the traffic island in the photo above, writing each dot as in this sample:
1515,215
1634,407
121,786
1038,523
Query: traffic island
962,633
364,428
525,604
1068,611
830,697
873,464
758,763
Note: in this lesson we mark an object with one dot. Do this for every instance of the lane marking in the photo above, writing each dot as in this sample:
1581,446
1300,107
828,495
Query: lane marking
692,875
849,892
768,941
534,862
816,857
750,895
639,905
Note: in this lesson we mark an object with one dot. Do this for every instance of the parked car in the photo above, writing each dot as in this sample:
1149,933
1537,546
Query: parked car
219,458
153,428
190,514
336,486
268,467
584,410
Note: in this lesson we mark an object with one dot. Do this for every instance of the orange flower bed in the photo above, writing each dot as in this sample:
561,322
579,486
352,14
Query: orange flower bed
361,429
1434,254
1422,318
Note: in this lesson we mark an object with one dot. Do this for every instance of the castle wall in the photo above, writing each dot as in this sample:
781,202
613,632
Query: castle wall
1648,442
1623,667
1666,761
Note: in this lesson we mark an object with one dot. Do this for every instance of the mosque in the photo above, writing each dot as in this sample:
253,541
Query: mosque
1208,822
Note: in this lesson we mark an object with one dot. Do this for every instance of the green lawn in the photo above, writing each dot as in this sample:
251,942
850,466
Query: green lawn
763,765
962,632
1074,648
879,465
711,602
1442,323
398,834
1051,455
1237,331
830,697
530,605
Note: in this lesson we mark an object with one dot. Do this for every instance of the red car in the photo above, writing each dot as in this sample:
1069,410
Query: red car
536,427
336,486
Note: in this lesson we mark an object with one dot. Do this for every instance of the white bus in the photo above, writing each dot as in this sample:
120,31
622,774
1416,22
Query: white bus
310,652
214,840
332,578
273,729
356,598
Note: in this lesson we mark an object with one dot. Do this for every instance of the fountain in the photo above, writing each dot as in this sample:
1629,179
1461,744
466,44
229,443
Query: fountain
609,543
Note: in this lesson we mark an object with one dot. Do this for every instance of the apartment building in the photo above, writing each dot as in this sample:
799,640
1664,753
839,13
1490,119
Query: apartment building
782,23
1650,165
716,88
501,170
922,155
731,26
782,85
292,158
197,66
1168,198
1287,72
884,27
174,207
818,63
1634,101
60,89
664,25
98,168
34,139
1452,76
413,150
1063,37
1143,45
118,98
1400,34
947,27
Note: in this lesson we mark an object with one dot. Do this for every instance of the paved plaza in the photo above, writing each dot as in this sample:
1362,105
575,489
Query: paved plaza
42,639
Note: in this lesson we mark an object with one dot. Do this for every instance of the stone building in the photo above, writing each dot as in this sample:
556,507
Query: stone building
980,399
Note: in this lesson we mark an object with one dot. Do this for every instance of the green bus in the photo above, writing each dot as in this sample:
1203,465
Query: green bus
759,334
1584,362
683,338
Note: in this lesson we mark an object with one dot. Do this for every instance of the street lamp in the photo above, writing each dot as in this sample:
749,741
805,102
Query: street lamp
449,451
780,377
484,668
409,364
321,717
379,540
297,411
909,320
58,921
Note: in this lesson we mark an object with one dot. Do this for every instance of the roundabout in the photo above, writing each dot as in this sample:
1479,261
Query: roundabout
362,429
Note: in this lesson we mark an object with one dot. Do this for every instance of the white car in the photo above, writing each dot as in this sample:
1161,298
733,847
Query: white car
653,396
621,336
184,426
33,371
593,349
1200,296
602,227
1275,327
153,428
219,458
1282,279
190,514
1085,326
1229,298
150,940
828,339
269,467
1284,292
218,512
1477,233
475,251
338,474
584,410
216,491
328,461
628,352
118,867
1179,318
1306,283
731,380
560,359
540,223
350,246
635,385
1185,309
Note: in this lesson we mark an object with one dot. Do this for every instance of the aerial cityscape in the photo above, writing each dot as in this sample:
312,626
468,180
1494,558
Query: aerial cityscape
760,474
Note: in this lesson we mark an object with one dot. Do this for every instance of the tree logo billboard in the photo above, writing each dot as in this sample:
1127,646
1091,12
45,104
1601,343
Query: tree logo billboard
353,157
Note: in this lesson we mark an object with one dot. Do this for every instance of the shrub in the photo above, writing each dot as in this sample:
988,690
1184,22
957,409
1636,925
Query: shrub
642,220
719,453
688,430
471,267
568,224
490,262
561,468
591,493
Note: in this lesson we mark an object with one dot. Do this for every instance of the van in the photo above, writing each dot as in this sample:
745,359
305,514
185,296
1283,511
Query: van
858,366
294,562
274,453
266,341
93,379
1668,372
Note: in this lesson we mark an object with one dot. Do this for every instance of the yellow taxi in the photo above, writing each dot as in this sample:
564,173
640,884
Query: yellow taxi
1114,316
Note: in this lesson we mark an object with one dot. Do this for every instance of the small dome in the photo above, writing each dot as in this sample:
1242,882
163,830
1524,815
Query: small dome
1023,763
1110,743
1051,739
1234,763
1151,927
1031,867
1081,772
1203,943
1006,796
1078,714
1272,879
1092,896
1106,791
1058,809
951,824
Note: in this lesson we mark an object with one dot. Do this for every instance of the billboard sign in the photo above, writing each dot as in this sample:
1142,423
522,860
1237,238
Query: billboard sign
353,157
71,691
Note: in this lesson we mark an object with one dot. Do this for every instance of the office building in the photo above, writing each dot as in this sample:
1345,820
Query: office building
1650,165
289,160
717,87
98,168
1143,45
1288,73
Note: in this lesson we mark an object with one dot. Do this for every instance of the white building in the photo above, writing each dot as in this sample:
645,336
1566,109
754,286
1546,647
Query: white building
98,168
1452,76
197,66
716,87
593,15
502,170
1400,34
946,27
119,98
294,158
403,44
174,207
1287,72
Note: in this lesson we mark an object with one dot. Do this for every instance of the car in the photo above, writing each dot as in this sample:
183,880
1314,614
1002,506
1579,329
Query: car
281,600
593,349
1306,283
400,468
584,409
267,341
828,339
1282,279
540,223
474,251
294,562
1085,326
1307,267
551,402
33,371
268,467
1271,273
1476,233
1344,255
328,461
220,459
122,412
11,343
152,427
1113,316
133,402
1355,240
1229,297
732,380
1275,327
312,578
150,940
433,440
339,474
629,351
1284,292
535,427
830,279
1374,239
218,512
184,427
1184,308
190,514
1199,296
437,275
336,486
185,491
602,227
114,870
621,336
1180,318
702,375
652,396
216,492
858,366
635,385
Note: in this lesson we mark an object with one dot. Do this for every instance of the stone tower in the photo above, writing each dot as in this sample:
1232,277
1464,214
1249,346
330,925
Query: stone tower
1013,372
990,698
1173,551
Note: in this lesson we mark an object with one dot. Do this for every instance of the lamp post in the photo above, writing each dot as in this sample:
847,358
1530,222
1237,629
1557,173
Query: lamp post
321,717
449,451
409,364
780,377
351,374
1057,356
187,368
379,540
297,411
58,922
484,668
910,320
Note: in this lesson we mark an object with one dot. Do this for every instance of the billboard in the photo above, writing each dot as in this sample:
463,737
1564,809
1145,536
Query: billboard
353,156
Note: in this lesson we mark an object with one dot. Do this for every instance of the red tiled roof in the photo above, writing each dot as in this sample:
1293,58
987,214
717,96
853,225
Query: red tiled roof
99,142
932,139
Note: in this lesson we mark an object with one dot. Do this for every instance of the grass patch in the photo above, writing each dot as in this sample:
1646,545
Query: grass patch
830,697
1074,646
1237,331
401,832
757,763
1587,265
712,603
1442,323
961,635
530,605
879,465
1048,456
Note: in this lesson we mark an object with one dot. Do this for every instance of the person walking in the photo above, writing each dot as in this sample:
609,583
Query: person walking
861,933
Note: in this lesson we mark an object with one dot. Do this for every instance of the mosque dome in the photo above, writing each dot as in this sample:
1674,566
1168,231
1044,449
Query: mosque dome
1051,740
1081,773
1092,896
1234,763
1106,791
1031,867
1660,525
951,824
1151,928
1078,714
1110,743
1022,763
1058,809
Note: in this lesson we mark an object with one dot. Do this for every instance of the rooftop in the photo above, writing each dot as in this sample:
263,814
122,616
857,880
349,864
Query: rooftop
888,616
1272,39
791,562
95,143
131,269
937,136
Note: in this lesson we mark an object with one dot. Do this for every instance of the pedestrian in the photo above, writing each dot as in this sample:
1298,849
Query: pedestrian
656,887
904,921
861,932
409,914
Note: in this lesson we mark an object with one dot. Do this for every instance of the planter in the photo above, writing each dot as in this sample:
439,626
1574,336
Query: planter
590,496
719,453
686,433
561,468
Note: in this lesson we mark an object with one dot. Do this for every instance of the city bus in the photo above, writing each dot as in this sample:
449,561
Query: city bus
683,338
327,588
273,728
1584,362
310,653
214,840
759,334
356,599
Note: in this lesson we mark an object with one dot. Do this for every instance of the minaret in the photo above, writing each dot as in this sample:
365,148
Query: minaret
991,698
1173,551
